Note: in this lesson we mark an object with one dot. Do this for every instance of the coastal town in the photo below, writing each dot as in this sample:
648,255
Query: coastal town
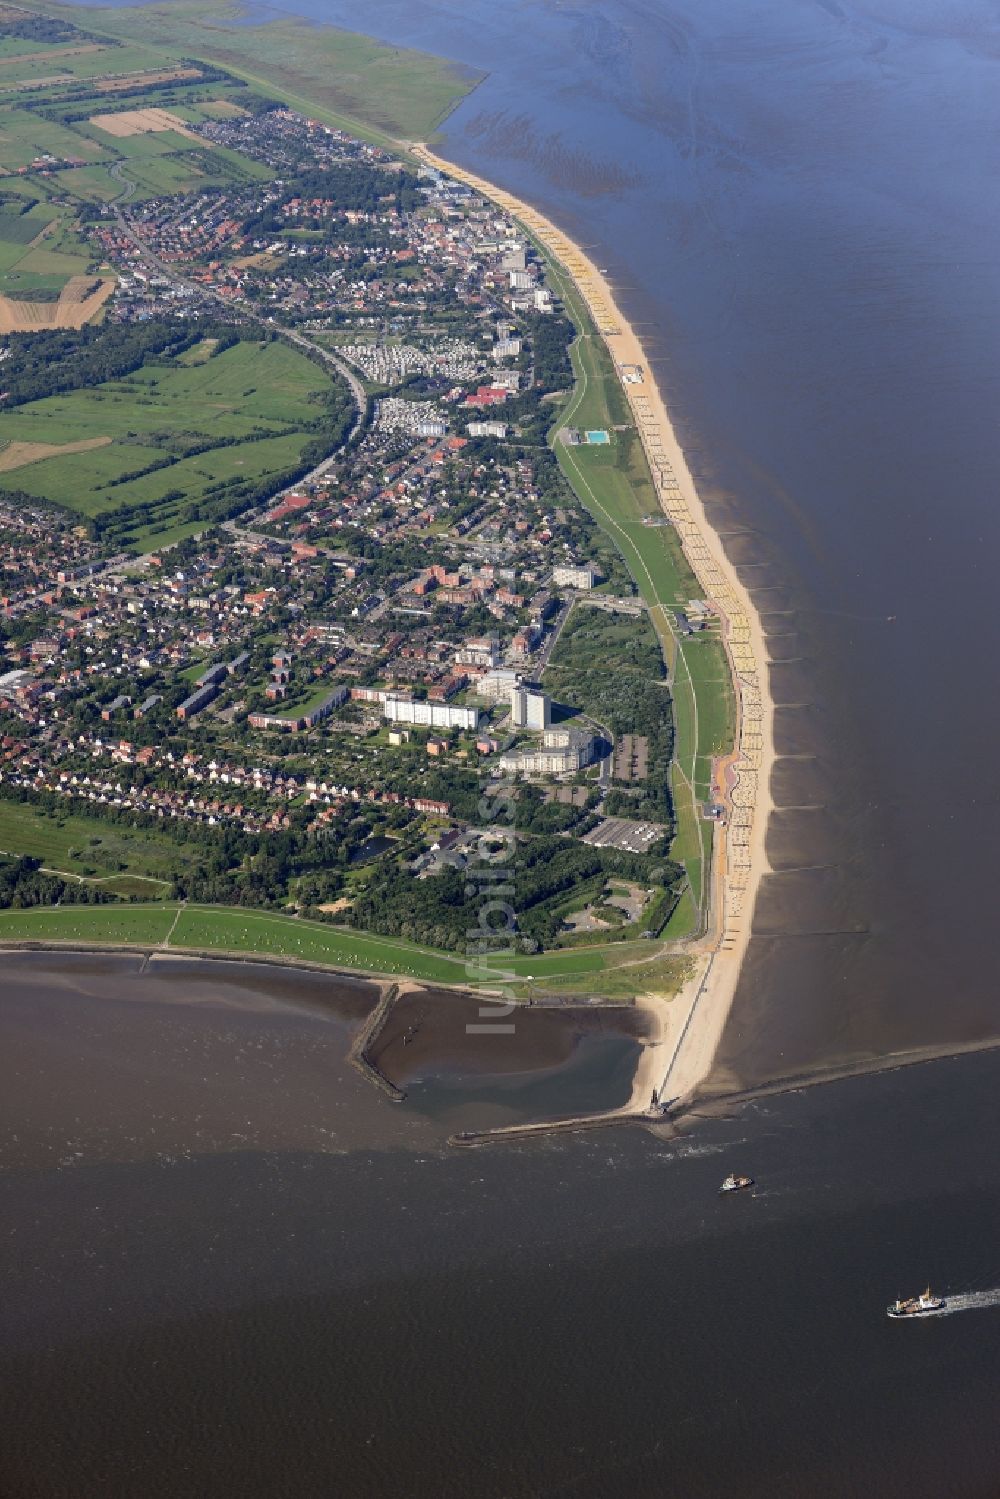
309,677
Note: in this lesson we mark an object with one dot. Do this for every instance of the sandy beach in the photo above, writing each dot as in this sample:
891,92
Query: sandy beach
691,1022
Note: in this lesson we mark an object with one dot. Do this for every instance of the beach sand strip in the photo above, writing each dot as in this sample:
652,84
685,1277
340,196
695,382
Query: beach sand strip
691,1022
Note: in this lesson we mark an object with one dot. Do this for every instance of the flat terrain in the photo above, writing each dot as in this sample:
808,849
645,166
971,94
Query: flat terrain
615,972
105,441
84,847
79,299
337,76
20,454
125,122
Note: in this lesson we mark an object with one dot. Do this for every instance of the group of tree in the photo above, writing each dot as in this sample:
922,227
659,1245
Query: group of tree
351,187
543,873
23,884
54,361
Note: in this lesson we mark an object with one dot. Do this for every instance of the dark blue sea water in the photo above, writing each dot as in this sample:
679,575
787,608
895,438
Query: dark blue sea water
798,201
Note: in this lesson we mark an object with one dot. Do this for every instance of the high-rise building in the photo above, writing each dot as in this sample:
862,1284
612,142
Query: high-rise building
529,709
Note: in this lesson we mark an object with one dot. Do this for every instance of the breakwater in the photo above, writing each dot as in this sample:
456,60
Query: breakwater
366,1038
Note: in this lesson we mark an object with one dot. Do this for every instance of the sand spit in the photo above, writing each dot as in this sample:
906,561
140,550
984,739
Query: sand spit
689,1025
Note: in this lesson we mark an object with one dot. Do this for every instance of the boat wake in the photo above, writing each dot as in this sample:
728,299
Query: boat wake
972,1301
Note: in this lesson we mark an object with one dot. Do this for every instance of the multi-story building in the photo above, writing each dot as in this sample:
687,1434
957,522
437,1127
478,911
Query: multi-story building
497,685
562,751
530,710
572,576
430,715
484,651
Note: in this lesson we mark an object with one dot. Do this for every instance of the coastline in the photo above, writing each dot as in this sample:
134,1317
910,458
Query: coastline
689,1024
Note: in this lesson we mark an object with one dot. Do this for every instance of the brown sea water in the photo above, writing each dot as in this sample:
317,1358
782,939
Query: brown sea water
127,1058
231,1266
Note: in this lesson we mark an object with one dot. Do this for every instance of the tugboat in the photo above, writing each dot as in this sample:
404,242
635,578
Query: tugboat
924,1305
736,1183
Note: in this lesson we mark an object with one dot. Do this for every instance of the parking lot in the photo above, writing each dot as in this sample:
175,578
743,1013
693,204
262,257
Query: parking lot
617,832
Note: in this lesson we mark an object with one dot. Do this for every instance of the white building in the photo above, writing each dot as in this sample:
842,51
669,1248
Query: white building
506,380
563,751
487,429
497,685
571,576
530,710
483,651
430,715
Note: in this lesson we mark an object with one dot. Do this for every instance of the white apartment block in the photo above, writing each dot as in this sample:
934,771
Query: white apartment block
571,576
497,685
430,715
484,651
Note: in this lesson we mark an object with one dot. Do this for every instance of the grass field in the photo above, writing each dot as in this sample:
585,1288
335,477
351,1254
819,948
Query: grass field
118,925
91,184
83,846
59,252
248,389
26,134
340,77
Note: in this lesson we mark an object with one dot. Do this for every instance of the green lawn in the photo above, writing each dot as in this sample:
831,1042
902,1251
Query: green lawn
616,971
84,845
248,389
120,925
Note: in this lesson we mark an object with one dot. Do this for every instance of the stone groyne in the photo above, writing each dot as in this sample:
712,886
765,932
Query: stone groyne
366,1038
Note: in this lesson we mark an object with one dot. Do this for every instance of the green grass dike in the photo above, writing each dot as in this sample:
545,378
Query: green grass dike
614,483
615,972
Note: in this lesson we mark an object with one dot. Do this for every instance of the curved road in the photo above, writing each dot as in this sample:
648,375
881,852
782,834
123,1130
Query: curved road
326,355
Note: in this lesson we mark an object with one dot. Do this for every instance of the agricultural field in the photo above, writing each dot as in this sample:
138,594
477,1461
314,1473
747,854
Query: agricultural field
40,252
102,106
250,402
347,80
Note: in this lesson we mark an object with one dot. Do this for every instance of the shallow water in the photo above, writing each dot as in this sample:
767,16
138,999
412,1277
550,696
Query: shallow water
273,1282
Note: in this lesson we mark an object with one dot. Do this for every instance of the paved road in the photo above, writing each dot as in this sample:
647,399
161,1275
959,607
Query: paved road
292,335
557,628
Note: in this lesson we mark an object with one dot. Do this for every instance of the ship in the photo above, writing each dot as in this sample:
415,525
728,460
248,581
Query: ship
736,1183
924,1305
